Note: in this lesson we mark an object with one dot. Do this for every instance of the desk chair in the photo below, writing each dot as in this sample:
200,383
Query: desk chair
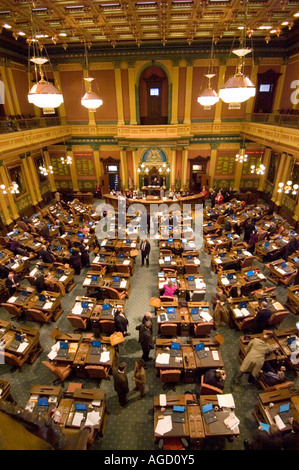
37,315
197,296
247,324
220,220
246,262
203,329
97,372
120,268
166,298
77,322
168,329
170,376
164,252
23,226
273,388
207,389
110,293
191,268
72,386
267,290
277,318
62,372
56,286
31,280
107,326
3,242
173,443
171,272
13,310
16,362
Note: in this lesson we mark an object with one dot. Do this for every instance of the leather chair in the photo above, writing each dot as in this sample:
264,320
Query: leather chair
13,310
107,326
247,324
277,318
166,298
16,362
246,262
77,322
164,252
170,376
273,388
173,443
120,268
22,225
97,372
191,268
168,329
203,329
197,296
172,272
37,315
207,389
111,293
31,280
62,372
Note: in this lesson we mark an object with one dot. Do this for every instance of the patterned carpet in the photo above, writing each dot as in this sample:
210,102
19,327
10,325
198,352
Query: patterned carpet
131,427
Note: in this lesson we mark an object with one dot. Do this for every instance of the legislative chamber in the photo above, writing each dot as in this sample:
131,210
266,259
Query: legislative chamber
149,226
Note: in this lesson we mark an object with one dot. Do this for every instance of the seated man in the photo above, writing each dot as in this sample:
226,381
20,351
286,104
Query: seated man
270,377
265,440
215,377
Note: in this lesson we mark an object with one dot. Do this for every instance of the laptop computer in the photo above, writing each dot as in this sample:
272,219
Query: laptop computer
80,234
167,259
106,309
285,267
116,281
200,350
209,413
63,349
243,304
170,240
285,412
95,347
16,342
94,280
81,408
170,313
191,280
250,275
195,313
42,405
175,350
23,296
84,306
41,300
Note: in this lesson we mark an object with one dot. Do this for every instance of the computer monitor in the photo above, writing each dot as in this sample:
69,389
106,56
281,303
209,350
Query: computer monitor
191,278
80,234
189,257
24,293
283,265
63,345
210,224
42,297
175,346
170,310
194,310
102,255
222,255
84,304
18,337
116,279
207,408
250,273
229,235
121,255
170,240
94,277
230,276
40,267
128,241
167,258
42,401
106,307
243,304
96,344
199,346
80,407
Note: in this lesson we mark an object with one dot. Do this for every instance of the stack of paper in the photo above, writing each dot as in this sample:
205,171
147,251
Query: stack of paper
238,312
218,260
196,261
162,399
281,271
226,401
225,281
92,418
96,260
62,278
277,306
261,276
103,242
280,424
163,358
48,305
232,422
126,262
22,347
77,419
87,281
12,299
123,284
205,315
164,425
245,312
77,309
105,356
215,355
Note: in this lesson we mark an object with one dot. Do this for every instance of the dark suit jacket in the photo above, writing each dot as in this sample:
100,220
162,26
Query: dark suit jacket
146,339
75,261
290,441
263,441
46,256
121,385
262,319
211,379
9,284
147,248
121,323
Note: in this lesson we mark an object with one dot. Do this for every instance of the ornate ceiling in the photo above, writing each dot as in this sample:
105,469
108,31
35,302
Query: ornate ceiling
65,25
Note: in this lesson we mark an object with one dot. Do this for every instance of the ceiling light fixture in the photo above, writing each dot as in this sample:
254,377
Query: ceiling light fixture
209,97
90,100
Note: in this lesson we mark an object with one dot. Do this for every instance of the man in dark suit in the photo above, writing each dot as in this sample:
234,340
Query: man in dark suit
145,249
264,440
12,283
262,317
146,340
121,322
75,261
45,255
121,384
290,440
215,377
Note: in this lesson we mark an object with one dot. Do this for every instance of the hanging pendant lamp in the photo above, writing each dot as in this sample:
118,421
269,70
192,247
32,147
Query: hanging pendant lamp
43,94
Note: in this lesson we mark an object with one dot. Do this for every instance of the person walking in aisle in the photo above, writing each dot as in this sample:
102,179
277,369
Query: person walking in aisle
145,249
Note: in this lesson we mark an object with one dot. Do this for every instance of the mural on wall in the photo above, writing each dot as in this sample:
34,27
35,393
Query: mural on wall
16,175
154,155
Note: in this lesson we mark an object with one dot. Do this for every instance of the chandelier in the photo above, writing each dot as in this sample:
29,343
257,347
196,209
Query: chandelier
241,157
90,100
239,88
13,188
45,171
258,170
209,97
66,160
43,94
288,188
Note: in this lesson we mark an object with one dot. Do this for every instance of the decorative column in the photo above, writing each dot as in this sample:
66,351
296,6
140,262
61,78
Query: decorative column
48,163
175,91
119,94
29,179
279,88
8,105
73,170
184,168
172,168
13,91
221,80
11,201
238,171
188,95
265,161
253,78
279,176
97,163
213,163
135,172
34,177
56,75
3,204
123,168
132,92
284,177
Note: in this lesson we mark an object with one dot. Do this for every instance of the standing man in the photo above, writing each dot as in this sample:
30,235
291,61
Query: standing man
121,385
146,340
12,283
145,249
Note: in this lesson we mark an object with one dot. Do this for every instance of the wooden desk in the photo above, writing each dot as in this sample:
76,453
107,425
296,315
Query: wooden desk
275,356
229,261
178,429
52,306
281,336
5,392
31,351
269,403
73,341
163,347
63,275
212,360
292,301
99,315
19,300
281,275
217,428
52,393
84,357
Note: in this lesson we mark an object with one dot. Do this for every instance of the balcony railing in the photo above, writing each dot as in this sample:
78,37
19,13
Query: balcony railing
282,120
14,124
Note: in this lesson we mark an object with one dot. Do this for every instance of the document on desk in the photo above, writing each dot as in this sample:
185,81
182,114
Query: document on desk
226,401
279,423
103,242
232,422
96,260
77,419
162,399
261,276
22,347
15,265
126,262
105,356
277,306
77,309
247,253
225,281
32,273
87,281
215,355
47,305
196,261
92,418
206,316
12,299
123,284
164,425
218,260
281,271
238,313
63,278
163,358
245,312
210,242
